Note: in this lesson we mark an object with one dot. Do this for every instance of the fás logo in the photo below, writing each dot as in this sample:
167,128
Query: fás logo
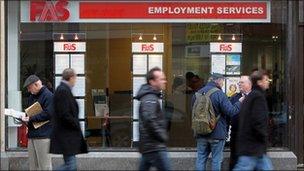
42,10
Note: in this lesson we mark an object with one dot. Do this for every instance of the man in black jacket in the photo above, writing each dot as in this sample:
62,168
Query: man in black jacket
245,88
67,138
39,138
253,118
152,122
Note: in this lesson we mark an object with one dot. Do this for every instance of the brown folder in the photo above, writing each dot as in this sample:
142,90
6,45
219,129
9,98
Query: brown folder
33,110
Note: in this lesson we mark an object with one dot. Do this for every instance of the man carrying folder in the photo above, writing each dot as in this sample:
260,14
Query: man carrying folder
39,127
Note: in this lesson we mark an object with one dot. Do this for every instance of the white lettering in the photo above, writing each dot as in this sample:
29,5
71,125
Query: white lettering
151,10
260,10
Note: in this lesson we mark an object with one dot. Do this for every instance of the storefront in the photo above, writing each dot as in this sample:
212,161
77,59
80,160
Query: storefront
111,45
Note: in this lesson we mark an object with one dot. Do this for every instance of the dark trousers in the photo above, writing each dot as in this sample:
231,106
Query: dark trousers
233,156
158,159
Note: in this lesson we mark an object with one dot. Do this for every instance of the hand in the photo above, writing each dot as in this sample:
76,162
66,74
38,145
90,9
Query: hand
25,118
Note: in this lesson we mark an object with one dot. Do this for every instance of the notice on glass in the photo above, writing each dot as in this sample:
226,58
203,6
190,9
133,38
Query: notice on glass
136,104
137,82
57,81
218,63
155,61
77,63
233,62
79,88
232,86
81,108
139,64
62,62
82,126
135,131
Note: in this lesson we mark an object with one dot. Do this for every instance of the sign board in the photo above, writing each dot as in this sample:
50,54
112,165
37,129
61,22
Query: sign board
225,47
145,11
69,46
147,47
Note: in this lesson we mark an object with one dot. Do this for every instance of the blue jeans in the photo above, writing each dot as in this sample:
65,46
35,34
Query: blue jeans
251,163
69,163
158,159
204,148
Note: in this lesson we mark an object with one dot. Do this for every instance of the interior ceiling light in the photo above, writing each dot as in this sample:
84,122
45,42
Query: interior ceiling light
61,37
76,37
219,37
154,37
233,37
140,37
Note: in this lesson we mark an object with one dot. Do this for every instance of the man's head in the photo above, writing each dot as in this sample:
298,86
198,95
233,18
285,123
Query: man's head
33,84
156,78
218,79
260,78
69,75
245,84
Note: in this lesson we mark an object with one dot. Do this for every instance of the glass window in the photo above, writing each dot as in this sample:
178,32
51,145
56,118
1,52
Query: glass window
106,68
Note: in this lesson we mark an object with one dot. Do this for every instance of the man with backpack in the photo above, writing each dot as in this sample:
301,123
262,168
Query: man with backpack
211,107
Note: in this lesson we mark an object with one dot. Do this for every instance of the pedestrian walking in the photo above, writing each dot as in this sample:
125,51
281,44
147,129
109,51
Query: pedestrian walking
152,123
67,138
245,88
222,108
253,119
39,138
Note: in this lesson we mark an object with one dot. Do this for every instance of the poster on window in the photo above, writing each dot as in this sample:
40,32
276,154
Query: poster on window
81,108
233,63
137,82
139,64
218,63
232,86
77,63
135,131
155,61
62,62
136,104
79,88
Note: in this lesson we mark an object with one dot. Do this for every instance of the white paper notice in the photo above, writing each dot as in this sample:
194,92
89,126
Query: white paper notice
139,64
57,81
218,64
136,104
135,131
82,126
79,88
155,61
77,63
137,82
81,108
62,62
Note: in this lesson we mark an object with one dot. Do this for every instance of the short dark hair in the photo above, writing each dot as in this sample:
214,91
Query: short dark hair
257,76
150,75
68,73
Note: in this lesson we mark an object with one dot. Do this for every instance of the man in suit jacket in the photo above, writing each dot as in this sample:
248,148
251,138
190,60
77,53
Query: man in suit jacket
252,131
245,89
67,138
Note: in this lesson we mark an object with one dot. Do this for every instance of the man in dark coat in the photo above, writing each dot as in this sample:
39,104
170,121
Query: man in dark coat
39,137
253,119
152,123
245,88
67,138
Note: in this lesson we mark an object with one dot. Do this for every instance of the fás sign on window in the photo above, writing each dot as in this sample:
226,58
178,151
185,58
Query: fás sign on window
44,11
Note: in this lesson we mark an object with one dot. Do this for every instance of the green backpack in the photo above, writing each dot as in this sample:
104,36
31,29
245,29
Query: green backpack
203,116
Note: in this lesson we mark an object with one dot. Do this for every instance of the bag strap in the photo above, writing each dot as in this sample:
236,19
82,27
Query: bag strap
211,91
